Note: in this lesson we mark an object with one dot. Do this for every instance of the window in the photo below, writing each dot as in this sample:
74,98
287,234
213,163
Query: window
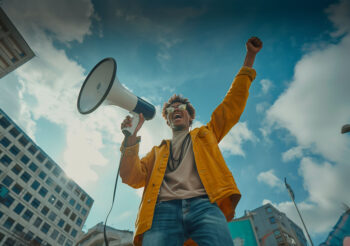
74,233
83,196
27,215
35,203
79,221
5,142
49,181
66,211
17,188
14,132
37,222
29,236
5,160
78,207
272,220
35,185
61,239
72,202
58,204
9,242
269,210
57,171
23,140
19,208
14,150
32,149
42,175
27,197
52,216
49,165
83,211
60,223
73,216
16,169
58,189
25,159
26,177
33,167
18,228
77,192
45,228
69,243
40,157
43,191
52,199
4,122
1,236
54,234
70,185
8,223
64,195
67,228
45,210
7,181
8,201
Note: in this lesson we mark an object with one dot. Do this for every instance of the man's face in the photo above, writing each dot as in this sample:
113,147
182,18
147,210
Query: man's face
178,118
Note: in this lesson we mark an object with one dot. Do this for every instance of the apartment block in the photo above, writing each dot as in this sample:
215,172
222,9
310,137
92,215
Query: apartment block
39,204
14,51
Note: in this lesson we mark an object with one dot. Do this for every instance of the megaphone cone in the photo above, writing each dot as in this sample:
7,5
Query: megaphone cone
102,86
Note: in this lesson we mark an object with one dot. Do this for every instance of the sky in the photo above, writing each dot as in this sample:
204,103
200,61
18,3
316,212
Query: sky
290,127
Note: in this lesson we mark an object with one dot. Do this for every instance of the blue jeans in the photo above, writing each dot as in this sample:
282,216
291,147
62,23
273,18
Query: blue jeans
178,220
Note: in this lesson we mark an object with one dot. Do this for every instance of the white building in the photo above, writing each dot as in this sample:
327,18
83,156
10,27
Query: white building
94,237
42,205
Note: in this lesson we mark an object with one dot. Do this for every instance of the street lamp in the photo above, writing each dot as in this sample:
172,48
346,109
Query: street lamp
345,128
291,193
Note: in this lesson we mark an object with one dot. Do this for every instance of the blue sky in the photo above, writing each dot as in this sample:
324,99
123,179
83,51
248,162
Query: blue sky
291,124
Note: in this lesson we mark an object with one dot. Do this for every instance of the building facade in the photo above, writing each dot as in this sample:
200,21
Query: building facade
94,237
14,51
274,228
39,205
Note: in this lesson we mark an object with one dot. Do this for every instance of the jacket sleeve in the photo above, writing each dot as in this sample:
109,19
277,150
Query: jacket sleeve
227,114
133,170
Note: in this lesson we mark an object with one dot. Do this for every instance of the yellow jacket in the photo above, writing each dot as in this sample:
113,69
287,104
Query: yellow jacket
217,179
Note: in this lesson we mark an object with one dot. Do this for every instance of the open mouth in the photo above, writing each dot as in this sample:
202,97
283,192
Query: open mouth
177,116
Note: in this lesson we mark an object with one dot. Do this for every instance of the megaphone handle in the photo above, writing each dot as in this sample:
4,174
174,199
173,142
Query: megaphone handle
127,131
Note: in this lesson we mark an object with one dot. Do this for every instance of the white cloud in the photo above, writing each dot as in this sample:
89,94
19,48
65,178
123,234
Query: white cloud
293,153
233,141
313,109
265,85
261,107
270,179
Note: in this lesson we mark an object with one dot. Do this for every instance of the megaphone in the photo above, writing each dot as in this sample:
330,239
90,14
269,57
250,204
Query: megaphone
102,86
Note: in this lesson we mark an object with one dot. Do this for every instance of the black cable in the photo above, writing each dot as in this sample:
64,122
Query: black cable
115,188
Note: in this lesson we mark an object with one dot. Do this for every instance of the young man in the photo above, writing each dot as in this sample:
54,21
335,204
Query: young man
189,192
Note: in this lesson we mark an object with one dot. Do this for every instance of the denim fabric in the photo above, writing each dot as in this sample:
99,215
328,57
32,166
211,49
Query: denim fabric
178,220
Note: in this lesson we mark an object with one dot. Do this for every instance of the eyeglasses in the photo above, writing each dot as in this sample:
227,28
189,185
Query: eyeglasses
171,109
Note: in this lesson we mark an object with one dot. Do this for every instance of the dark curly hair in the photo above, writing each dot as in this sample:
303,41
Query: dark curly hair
179,98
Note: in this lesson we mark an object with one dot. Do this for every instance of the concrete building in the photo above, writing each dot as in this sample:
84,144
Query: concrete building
340,231
40,204
94,237
14,51
274,228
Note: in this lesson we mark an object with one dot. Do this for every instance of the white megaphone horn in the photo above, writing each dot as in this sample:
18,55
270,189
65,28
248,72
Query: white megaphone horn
102,86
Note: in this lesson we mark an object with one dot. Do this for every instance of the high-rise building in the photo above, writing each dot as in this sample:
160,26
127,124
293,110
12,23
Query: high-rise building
14,51
94,237
39,203
274,228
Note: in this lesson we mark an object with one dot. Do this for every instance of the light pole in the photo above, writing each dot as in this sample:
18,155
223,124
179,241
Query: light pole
345,128
291,193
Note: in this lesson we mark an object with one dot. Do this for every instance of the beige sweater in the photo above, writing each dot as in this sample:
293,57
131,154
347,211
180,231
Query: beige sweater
184,181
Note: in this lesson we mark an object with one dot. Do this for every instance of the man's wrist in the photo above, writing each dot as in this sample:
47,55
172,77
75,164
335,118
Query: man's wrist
249,59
